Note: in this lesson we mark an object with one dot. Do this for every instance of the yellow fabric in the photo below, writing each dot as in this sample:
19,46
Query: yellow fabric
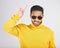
30,36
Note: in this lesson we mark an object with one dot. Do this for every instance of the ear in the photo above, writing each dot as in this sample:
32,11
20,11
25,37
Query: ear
42,16
30,15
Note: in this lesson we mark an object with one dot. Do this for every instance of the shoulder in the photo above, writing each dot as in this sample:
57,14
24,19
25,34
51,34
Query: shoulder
21,25
48,29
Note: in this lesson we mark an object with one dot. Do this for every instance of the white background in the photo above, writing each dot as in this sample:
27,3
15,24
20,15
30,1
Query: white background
51,18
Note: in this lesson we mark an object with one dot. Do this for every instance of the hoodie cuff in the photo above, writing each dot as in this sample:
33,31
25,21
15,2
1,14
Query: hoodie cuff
15,17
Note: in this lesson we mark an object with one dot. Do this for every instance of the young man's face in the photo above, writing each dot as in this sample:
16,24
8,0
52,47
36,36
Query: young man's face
36,17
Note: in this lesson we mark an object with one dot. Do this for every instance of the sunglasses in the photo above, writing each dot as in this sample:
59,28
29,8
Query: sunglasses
39,17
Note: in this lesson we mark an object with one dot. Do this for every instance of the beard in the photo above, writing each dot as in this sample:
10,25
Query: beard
36,23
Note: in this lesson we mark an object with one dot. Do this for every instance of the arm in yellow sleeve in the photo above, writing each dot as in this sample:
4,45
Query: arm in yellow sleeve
52,41
10,26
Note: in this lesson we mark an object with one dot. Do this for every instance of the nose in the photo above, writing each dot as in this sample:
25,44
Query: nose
36,19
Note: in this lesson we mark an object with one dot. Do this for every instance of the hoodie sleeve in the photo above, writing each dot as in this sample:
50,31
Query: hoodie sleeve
52,41
10,26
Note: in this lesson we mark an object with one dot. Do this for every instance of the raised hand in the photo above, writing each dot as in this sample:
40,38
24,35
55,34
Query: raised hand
20,12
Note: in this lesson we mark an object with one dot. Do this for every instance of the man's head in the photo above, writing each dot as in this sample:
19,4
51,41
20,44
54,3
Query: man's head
36,15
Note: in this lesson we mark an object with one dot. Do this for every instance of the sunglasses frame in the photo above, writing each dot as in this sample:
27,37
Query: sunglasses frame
34,17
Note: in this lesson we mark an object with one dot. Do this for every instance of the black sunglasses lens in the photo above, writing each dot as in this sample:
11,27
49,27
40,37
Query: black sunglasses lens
39,17
33,17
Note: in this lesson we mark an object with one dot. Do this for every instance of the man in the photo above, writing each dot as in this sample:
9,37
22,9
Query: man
35,35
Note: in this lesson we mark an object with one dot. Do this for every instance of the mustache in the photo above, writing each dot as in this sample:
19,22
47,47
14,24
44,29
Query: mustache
36,21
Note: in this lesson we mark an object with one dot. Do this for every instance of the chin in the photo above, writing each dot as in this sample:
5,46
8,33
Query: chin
36,24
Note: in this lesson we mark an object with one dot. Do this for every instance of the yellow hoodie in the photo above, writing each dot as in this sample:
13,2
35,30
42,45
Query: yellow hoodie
30,36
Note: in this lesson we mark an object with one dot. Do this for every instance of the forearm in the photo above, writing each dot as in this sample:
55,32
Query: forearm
11,22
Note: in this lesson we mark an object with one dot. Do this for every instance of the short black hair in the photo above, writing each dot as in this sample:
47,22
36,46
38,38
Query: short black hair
38,8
